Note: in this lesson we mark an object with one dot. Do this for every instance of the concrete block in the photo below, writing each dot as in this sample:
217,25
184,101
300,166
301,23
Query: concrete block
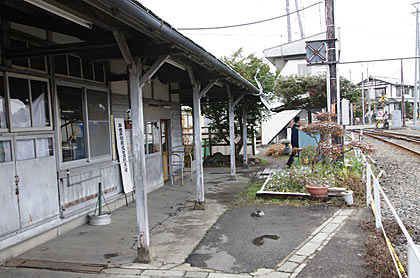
297,271
139,266
339,219
228,275
275,275
262,271
346,212
196,274
163,273
297,258
200,205
308,249
319,238
288,267
145,255
168,266
330,228
122,271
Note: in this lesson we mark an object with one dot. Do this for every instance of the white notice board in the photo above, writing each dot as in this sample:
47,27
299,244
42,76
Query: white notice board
121,139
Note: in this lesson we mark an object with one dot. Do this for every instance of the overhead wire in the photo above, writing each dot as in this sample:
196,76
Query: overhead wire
249,23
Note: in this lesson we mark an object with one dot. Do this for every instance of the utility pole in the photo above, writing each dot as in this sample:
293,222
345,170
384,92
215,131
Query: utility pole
289,27
416,63
302,34
329,6
363,100
368,92
402,94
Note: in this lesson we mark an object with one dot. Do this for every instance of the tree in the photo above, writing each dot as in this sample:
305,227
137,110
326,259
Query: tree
310,92
217,113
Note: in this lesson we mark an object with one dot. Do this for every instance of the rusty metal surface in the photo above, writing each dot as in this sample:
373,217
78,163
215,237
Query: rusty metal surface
58,266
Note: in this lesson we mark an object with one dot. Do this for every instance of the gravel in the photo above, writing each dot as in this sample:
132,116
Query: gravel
400,182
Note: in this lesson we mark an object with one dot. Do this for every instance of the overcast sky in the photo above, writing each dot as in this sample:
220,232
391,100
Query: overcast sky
370,29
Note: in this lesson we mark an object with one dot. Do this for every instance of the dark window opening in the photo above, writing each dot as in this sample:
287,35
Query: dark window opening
74,66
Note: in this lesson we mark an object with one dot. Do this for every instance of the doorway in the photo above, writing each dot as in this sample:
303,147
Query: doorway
165,148
29,181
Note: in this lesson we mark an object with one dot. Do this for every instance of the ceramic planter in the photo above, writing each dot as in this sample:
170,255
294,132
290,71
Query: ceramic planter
316,191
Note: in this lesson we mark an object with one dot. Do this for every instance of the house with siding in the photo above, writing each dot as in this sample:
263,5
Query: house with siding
68,70
376,87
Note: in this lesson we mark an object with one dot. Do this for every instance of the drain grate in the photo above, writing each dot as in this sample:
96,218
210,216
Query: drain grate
58,266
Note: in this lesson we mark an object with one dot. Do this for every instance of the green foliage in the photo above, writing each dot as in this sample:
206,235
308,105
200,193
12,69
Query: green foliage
310,92
217,113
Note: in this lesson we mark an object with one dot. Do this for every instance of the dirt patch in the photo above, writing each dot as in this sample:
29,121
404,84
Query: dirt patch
377,254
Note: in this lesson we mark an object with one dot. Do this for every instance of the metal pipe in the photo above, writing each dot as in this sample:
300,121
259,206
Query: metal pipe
99,198
129,9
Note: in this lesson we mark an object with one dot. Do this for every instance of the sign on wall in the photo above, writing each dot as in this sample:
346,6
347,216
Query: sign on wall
121,139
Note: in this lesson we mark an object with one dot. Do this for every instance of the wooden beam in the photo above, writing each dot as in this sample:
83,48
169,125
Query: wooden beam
207,88
141,51
55,50
125,50
153,69
238,100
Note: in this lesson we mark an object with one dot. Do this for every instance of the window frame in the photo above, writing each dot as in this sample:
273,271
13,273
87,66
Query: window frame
32,137
6,100
26,41
82,78
9,112
159,143
12,148
88,159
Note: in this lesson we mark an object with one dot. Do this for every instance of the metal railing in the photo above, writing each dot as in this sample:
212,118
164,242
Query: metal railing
375,202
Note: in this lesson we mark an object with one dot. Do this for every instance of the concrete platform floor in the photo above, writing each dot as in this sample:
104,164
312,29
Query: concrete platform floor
175,228
313,241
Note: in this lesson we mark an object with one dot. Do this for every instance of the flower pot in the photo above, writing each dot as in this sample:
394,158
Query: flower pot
317,191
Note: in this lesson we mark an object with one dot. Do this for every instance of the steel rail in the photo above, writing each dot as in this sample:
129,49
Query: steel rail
392,143
398,136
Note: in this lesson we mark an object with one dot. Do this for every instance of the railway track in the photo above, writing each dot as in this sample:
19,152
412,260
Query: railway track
388,137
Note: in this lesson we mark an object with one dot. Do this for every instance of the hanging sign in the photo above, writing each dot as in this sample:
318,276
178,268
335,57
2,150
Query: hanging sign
121,139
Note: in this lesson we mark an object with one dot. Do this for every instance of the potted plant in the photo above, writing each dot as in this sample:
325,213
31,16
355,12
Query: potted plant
318,181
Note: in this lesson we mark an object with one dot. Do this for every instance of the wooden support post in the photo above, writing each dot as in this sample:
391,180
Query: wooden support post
144,253
139,170
254,141
245,136
231,135
200,203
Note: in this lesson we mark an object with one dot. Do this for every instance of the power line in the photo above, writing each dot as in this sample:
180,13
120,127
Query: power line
249,23
379,60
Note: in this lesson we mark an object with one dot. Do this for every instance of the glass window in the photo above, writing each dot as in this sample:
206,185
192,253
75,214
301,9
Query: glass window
87,70
37,62
60,64
29,105
43,147
5,151
74,66
15,45
398,91
20,102
72,123
99,72
152,137
98,123
3,121
25,149
40,108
